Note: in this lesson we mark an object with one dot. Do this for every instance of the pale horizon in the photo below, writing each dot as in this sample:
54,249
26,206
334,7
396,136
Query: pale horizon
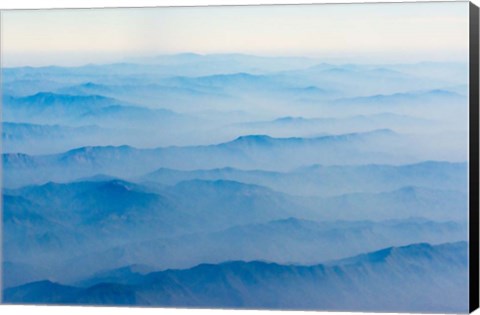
367,33
99,61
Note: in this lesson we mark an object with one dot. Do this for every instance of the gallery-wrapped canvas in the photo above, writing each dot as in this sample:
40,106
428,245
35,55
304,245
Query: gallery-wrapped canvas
294,157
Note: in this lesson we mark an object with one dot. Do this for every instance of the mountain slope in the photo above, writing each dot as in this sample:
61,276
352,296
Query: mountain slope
53,108
52,223
414,278
285,241
247,152
318,180
405,202
127,223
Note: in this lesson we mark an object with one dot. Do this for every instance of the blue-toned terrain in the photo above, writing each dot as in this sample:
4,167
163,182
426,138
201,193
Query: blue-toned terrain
256,284
237,181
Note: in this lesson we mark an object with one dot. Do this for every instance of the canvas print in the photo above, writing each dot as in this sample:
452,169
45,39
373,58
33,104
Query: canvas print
303,157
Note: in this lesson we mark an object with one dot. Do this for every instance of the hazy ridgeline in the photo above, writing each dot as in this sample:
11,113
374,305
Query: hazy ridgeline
237,181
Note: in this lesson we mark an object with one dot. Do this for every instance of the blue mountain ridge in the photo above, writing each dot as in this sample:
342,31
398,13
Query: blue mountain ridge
243,152
284,241
371,281
411,97
330,180
53,108
236,181
44,223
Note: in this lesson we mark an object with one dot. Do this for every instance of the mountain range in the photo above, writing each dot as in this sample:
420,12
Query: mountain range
412,278
246,152
237,181
191,221
324,180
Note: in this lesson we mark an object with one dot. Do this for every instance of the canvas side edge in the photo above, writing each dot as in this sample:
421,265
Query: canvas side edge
474,159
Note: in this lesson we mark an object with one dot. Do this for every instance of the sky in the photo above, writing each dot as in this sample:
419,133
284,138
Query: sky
389,32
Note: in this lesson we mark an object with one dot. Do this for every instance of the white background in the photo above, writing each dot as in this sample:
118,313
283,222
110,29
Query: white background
56,310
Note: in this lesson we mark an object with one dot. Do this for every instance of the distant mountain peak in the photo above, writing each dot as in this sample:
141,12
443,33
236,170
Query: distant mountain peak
346,136
237,75
384,131
46,96
339,70
18,159
292,221
442,92
288,119
268,140
91,85
97,178
260,139
413,250
56,99
188,54
90,149
403,96
117,185
223,184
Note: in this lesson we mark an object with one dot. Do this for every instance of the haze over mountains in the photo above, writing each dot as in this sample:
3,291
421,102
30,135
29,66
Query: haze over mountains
273,286
237,181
